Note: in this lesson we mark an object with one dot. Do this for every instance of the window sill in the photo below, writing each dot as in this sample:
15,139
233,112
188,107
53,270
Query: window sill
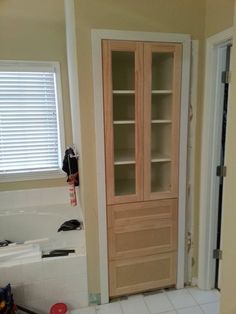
44,175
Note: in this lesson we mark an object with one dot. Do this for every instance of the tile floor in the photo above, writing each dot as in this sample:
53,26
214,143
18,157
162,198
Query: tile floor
184,301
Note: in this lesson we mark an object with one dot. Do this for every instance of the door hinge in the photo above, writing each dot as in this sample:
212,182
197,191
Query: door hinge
221,171
226,77
217,254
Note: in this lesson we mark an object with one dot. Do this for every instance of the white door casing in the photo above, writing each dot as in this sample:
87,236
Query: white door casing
210,155
97,37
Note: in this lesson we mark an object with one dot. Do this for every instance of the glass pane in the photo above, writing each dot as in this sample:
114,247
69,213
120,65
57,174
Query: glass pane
123,107
162,71
123,70
161,140
161,107
124,179
124,142
160,177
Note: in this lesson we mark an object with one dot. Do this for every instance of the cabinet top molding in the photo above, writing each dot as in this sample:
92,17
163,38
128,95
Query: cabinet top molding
142,36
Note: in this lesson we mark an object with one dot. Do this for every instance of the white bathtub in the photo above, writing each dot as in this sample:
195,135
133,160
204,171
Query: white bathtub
42,223
36,216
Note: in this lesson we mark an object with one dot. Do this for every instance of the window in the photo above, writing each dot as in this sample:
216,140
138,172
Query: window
31,121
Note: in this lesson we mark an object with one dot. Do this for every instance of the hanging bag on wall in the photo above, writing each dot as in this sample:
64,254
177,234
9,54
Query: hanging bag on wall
70,166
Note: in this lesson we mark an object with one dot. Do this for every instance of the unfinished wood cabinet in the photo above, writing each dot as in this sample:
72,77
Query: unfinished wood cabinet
142,87
162,87
140,237
133,275
123,94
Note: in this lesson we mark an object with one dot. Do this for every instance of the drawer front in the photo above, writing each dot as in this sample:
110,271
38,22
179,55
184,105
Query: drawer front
128,214
140,240
141,274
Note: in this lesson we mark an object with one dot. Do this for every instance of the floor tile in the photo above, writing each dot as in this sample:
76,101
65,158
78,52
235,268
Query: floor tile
191,310
203,296
181,298
113,308
211,308
88,310
134,305
158,303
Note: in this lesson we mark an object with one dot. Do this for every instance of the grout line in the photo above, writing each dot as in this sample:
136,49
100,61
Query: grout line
121,307
217,301
202,310
174,309
192,296
146,304
170,300
116,302
201,305
185,307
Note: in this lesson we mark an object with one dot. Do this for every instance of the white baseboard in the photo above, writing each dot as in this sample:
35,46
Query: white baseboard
194,282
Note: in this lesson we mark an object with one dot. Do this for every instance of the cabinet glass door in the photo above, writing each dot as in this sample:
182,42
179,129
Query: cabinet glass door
123,120
162,80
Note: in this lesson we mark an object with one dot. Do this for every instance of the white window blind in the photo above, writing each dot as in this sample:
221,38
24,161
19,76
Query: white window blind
29,128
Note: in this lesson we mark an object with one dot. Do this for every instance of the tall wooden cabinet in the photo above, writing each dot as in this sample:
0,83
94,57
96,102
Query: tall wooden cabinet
142,84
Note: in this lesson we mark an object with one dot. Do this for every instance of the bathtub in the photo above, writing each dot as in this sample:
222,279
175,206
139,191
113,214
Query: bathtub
35,217
39,224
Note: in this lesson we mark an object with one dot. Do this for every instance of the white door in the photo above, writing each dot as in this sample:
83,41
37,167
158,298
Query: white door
224,53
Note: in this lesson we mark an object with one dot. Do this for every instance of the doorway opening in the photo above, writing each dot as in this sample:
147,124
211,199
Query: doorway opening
212,159
221,170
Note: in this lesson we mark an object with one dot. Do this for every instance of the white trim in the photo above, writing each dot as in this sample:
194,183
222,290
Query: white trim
191,161
97,36
210,154
143,36
73,77
183,162
60,114
194,282
71,45
24,65
32,175
100,160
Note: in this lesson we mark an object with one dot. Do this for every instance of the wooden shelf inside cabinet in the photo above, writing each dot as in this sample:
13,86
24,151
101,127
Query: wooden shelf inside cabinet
124,122
162,91
162,121
157,157
124,157
123,92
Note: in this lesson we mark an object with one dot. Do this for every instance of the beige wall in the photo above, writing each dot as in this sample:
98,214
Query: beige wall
219,15
34,30
228,300
177,16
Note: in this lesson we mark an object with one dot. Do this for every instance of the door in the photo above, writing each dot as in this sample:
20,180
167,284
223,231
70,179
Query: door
162,88
221,172
123,118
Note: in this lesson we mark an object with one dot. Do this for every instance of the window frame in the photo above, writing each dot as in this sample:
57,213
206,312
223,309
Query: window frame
15,65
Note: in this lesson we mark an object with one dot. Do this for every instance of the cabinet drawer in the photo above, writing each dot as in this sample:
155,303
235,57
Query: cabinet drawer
132,213
143,273
140,240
